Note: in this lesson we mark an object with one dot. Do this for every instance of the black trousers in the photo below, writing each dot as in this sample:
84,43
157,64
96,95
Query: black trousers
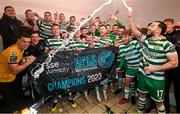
172,77
12,96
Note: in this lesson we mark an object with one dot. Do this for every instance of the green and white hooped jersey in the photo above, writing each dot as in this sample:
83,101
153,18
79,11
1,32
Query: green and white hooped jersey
55,44
131,52
154,52
97,45
103,41
78,45
44,29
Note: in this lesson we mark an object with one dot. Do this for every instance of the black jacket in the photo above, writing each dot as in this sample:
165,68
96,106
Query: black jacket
37,50
174,37
10,30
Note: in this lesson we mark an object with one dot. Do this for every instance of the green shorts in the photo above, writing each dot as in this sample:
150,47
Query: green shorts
155,88
131,72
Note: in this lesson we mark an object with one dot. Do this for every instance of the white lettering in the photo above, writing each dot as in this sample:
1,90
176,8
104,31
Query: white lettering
94,77
52,65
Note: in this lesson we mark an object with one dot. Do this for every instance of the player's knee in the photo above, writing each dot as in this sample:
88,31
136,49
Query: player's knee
159,104
128,81
160,107
142,95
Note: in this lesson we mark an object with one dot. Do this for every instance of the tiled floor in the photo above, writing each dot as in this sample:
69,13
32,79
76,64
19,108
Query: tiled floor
84,107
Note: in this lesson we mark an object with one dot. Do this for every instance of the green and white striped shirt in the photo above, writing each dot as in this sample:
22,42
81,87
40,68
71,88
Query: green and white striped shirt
155,53
103,41
44,29
55,44
131,52
76,44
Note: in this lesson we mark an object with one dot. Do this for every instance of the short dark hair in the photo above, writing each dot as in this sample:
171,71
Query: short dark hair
89,33
35,32
123,27
61,14
163,27
70,29
47,12
7,7
169,20
82,28
97,17
55,25
26,32
27,11
149,24
116,25
108,25
102,26
72,17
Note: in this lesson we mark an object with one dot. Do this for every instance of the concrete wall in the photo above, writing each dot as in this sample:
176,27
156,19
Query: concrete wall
145,10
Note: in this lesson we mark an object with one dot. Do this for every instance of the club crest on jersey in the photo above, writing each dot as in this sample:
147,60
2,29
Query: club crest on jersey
172,47
13,57
156,47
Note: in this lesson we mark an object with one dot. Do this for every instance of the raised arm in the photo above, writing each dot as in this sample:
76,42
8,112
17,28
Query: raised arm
117,20
133,26
17,68
38,16
56,20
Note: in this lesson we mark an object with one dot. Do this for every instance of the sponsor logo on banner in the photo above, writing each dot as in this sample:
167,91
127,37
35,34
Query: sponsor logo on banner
76,70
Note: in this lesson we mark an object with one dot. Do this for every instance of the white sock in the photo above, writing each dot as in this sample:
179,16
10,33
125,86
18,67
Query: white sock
98,94
161,110
105,94
126,92
85,93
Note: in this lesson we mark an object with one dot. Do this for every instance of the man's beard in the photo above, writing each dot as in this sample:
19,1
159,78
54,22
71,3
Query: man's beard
149,35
